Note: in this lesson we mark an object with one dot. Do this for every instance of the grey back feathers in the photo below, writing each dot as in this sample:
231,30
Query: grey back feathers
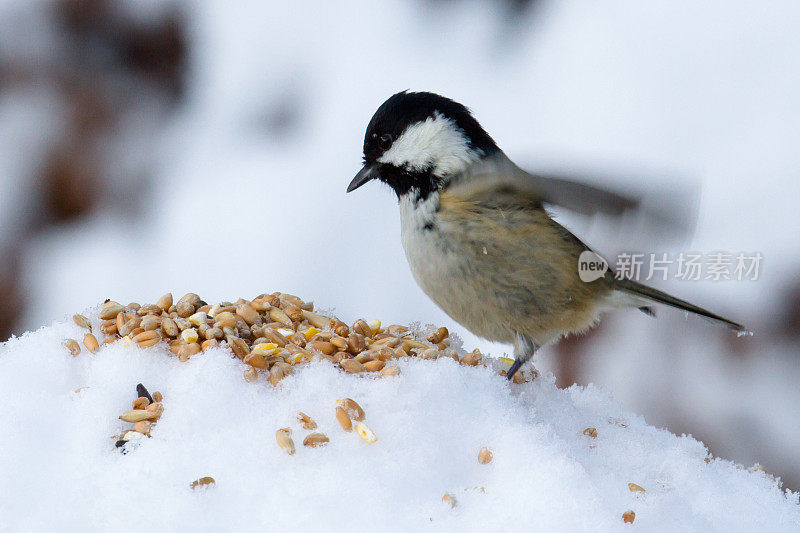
498,171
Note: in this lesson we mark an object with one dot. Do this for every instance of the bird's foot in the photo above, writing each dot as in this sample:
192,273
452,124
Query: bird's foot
520,375
513,370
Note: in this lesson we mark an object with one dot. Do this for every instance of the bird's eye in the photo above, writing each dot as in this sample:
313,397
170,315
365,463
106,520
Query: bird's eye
385,141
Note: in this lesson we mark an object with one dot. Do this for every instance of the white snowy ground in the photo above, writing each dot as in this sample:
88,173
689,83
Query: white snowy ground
701,93
59,468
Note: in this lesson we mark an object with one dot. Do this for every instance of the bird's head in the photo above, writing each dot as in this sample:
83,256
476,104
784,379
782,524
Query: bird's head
417,141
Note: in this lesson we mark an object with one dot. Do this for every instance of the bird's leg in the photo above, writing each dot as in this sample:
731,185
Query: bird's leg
524,348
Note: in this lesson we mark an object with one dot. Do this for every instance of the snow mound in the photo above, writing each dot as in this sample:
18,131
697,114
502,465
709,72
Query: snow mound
59,468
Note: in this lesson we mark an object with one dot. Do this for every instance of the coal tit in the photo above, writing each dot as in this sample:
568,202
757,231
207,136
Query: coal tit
476,233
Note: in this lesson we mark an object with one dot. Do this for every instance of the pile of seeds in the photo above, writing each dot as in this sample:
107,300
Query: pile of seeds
271,334
145,411
347,410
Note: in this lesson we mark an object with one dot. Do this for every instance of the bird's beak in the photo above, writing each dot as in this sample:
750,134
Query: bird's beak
364,175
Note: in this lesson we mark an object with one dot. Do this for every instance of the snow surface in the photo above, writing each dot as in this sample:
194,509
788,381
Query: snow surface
59,467
695,93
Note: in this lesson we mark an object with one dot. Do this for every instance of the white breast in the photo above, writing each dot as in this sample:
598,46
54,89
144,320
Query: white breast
416,214
425,254
437,270
443,273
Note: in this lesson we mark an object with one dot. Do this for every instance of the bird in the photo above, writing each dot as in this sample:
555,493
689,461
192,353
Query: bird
478,234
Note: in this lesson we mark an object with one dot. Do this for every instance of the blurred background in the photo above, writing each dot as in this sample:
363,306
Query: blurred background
205,145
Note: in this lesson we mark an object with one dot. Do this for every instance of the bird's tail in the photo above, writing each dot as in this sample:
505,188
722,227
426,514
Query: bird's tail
642,291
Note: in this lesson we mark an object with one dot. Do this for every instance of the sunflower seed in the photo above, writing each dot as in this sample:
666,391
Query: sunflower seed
110,309
438,336
353,409
90,341
137,415
284,438
633,487
391,371
73,346
82,321
485,456
165,302
316,440
344,419
306,421
205,481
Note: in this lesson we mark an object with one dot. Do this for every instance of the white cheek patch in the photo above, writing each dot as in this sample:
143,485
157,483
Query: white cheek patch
434,144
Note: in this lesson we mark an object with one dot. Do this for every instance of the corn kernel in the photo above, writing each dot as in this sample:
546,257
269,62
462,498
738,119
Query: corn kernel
265,348
189,335
198,318
365,433
293,358
375,326
286,332
310,332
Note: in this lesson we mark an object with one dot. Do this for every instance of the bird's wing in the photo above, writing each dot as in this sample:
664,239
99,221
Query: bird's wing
508,201
499,173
